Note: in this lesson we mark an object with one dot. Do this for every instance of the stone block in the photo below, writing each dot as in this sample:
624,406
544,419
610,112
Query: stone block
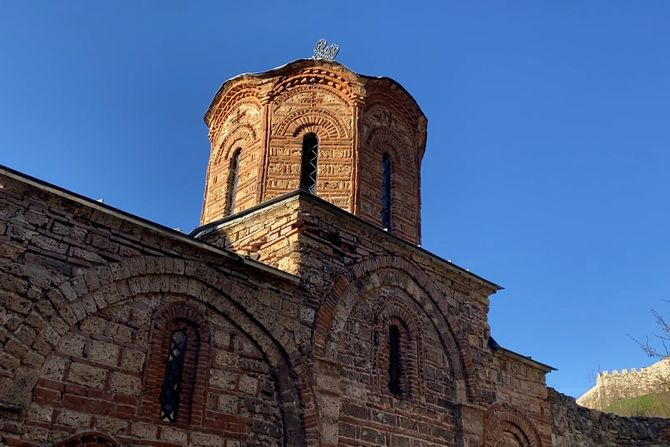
144,430
73,419
228,404
132,360
73,345
112,426
206,440
103,352
223,379
175,435
86,375
248,385
125,384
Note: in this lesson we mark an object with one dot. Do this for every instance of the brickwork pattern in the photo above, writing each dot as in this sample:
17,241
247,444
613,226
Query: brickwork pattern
97,379
297,356
370,413
356,272
356,120
75,334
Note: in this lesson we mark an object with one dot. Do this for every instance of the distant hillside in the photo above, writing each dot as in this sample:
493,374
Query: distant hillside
655,404
643,392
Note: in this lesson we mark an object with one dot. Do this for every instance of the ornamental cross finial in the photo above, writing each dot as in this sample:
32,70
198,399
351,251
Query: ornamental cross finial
324,51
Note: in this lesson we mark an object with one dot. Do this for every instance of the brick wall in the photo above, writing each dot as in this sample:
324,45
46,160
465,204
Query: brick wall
87,298
356,119
102,377
459,388
285,360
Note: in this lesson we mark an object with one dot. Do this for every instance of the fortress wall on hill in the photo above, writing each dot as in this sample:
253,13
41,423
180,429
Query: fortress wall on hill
576,426
615,385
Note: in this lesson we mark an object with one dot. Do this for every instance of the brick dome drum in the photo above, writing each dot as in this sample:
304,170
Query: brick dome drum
258,123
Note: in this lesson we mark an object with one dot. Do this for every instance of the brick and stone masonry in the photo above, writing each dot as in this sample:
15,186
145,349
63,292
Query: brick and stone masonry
356,119
292,319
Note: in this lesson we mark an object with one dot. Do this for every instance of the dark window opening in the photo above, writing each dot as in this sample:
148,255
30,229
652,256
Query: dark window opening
174,368
308,167
386,191
232,181
394,360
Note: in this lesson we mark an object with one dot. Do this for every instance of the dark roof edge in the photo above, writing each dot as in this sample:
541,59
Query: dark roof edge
166,231
281,68
523,358
209,227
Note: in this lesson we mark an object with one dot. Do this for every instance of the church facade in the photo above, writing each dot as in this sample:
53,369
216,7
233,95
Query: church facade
302,312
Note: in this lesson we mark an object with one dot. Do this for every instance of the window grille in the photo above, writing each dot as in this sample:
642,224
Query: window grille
386,191
174,367
308,168
233,178
394,360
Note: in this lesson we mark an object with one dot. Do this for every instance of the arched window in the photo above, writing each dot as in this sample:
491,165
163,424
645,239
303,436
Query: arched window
233,177
174,368
386,191
308,167
395,366
173,388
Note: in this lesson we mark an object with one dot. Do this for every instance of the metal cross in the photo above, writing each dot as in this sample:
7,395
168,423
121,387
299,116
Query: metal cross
325,52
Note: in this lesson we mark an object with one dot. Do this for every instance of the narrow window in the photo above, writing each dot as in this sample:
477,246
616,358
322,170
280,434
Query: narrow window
174,367
386,191
310,153
232,181
394,360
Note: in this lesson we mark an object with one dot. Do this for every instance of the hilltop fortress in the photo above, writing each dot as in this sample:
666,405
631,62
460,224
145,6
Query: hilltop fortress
616,385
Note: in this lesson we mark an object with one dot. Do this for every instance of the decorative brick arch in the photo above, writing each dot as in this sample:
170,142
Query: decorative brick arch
504,424
193,399
388,95
88,439
226,99
340,83
243,135
384,139
100,287
323,122
387,312
345,291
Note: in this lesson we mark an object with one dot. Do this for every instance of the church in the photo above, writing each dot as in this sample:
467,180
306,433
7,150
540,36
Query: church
303,311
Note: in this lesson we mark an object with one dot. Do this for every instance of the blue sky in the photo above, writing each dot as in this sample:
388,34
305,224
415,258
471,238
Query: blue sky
546,168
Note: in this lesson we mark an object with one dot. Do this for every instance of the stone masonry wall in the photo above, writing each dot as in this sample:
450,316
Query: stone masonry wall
89,295
349,266
576,426
616,385
521,385
81,286
100,377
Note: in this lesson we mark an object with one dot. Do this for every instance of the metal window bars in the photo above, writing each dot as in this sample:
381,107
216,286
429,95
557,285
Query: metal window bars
386,192
233,179
174,367
308,168
394,360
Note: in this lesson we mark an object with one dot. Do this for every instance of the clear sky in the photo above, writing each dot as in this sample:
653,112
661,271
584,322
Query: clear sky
547,163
